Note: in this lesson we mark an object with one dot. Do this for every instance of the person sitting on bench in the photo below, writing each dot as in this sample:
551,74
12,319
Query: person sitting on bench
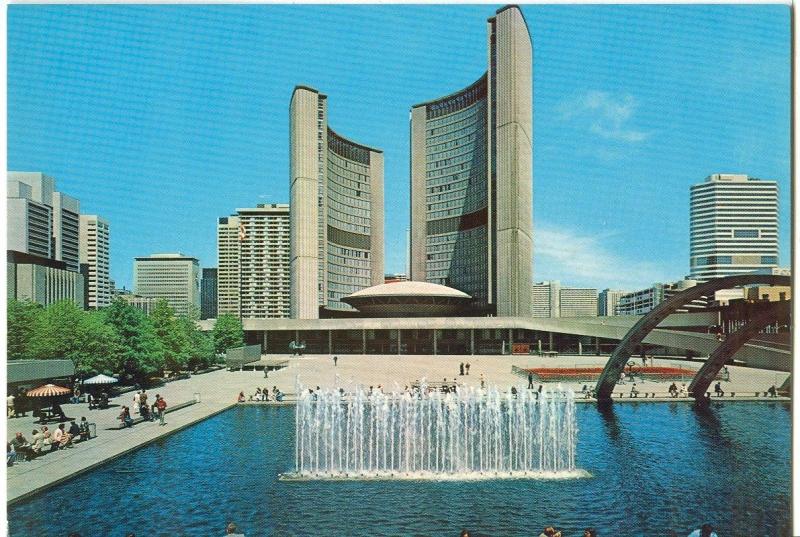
634,391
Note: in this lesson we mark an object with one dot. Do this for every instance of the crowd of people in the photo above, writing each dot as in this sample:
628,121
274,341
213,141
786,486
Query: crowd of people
148,412
706,530
44,440
263,395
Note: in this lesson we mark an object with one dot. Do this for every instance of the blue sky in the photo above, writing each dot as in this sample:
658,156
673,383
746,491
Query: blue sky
163,118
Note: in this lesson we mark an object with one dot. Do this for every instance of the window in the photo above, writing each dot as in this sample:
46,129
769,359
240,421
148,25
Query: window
745,233
769,260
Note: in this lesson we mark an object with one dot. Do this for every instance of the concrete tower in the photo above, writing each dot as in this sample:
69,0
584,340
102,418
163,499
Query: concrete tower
472,178
336,229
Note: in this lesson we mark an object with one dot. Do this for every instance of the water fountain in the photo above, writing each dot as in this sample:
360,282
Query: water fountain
470,434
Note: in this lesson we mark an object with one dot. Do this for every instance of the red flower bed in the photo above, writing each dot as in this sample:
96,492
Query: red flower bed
592,373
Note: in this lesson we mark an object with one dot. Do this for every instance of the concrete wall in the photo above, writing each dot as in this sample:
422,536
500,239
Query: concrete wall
377,242
303,187
418,209
513,89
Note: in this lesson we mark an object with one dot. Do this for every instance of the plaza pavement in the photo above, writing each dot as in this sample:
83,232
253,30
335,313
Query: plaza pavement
218,391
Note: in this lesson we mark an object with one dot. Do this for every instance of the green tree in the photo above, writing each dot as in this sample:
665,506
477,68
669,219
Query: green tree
201,345
227,333
173,335
21,317
56,331
142,354
100,347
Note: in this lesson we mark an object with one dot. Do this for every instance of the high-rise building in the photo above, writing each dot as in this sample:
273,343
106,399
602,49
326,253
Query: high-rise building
734,226
545,299
607,301
577,302
208,294
94,255
336,226
172,277
472,178
66,230
551,299
29,205
253,262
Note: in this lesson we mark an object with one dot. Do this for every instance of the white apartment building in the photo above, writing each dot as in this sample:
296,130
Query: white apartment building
172,277
644,300
607,301
550,299
253,271
95,260
733,226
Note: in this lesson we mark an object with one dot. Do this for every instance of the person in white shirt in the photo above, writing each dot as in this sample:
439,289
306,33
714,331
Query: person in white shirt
706,530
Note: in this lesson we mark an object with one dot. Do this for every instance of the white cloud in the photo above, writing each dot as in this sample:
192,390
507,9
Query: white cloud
576,259
604,114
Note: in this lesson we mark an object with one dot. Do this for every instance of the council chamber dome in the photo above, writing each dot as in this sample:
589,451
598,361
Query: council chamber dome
409,299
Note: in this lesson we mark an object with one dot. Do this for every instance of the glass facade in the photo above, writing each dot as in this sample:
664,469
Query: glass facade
349,220
456,186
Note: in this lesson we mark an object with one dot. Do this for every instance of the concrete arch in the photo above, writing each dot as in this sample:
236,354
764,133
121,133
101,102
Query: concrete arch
703,379
616,362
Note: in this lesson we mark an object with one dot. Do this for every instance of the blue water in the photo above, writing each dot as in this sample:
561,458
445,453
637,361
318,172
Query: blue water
657,469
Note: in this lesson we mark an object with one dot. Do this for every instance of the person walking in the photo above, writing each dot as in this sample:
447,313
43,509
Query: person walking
162,407
530,381
461,369
335,361
482,382
136,402
467,368
10,406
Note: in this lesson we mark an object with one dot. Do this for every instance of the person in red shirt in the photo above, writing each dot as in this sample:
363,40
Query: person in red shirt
162,407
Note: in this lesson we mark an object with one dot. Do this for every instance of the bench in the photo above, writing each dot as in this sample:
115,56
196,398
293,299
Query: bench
136,421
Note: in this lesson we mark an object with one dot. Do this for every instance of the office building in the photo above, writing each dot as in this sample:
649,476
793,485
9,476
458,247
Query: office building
577,302
253,262
42,221
95,260
336,226
208,294
607,301
172,277
642,301
42,280
545,299
66,230
734,226
550,299
472,178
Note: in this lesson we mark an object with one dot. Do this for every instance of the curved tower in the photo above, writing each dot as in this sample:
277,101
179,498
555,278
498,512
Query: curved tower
472,178
336,190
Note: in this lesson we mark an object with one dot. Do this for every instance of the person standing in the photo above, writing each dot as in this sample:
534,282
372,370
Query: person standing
162,407
335,361
136,402
461,369
530,381
10,406
482,382
467,368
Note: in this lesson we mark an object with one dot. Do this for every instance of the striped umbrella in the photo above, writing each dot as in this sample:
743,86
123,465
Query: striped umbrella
48,390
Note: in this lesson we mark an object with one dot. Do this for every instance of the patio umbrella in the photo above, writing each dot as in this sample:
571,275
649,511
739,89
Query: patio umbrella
48,390
101,379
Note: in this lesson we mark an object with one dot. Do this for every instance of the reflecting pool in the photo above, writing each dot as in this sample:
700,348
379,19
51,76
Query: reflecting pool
656,468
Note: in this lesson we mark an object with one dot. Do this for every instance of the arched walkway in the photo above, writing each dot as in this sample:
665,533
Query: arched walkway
703,379
616,363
